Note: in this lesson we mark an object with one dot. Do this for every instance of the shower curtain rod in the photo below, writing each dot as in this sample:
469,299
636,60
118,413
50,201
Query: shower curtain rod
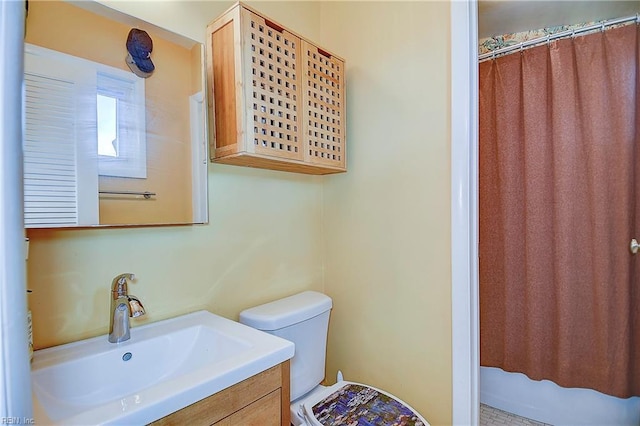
549,37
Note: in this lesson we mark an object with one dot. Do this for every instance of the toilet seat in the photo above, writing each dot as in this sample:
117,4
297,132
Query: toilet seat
357,404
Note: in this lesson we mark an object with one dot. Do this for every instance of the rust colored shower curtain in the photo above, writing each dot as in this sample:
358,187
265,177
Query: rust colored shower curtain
559,204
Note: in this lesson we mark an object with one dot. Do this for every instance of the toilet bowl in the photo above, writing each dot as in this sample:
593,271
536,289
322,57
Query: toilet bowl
304,319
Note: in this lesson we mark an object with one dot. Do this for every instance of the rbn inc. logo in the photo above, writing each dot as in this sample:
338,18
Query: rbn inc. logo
16,421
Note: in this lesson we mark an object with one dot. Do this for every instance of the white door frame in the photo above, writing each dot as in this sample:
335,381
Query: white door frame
199,158
464,212
15,390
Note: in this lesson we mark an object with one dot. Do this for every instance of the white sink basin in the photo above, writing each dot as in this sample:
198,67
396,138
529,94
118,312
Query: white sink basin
164,367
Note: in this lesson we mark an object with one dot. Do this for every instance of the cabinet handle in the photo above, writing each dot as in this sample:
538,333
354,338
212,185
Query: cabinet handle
273,25
324,53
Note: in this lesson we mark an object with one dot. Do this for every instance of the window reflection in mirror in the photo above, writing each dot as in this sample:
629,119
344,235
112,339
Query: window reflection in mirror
98,137
107,129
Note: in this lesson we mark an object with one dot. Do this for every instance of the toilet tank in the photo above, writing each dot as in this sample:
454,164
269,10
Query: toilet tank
302,319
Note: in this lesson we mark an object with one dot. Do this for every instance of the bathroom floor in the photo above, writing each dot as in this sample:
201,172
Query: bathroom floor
490,416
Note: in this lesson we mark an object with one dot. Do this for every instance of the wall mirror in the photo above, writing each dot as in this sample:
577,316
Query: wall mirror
104,146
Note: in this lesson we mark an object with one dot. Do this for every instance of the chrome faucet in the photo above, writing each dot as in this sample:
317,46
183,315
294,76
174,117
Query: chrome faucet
123,306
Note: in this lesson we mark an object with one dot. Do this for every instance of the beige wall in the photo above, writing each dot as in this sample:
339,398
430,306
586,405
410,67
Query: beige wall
387,221
263,242
376,239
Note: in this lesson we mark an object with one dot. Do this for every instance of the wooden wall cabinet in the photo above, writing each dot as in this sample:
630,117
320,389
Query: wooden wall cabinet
261,400
278,99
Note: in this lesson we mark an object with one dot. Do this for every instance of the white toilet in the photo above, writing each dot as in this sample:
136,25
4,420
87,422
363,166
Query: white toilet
304,319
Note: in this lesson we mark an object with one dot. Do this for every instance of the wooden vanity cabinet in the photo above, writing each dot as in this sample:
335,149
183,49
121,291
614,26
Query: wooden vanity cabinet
278,100
261,400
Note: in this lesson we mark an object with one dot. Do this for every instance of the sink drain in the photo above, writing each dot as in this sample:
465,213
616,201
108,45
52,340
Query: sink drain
127,356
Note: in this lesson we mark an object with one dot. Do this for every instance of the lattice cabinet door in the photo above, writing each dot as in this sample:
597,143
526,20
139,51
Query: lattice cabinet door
276,100
324,107
273,88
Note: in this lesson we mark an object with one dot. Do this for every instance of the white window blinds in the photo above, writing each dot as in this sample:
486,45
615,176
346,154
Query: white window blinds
60,160
49,153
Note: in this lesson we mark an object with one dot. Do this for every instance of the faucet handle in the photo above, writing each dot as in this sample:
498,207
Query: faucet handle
126,276
135,306
119,284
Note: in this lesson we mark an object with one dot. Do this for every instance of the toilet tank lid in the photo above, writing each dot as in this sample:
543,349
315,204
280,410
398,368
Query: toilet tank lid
285,312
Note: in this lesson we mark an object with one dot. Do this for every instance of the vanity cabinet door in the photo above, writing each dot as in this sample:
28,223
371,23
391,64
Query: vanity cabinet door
263,412
260,400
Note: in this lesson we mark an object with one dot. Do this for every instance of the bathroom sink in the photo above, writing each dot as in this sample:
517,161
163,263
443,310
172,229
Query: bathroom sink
164,367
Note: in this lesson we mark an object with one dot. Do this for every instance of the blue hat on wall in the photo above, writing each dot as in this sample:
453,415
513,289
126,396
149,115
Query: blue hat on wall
139,46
